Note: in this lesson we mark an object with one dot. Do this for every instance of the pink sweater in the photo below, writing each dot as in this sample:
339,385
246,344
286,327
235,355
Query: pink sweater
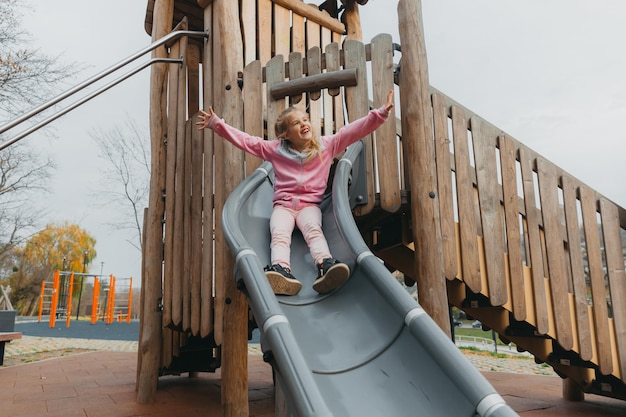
298,182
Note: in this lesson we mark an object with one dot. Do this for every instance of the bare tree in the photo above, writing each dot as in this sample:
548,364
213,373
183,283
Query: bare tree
27,76
127,153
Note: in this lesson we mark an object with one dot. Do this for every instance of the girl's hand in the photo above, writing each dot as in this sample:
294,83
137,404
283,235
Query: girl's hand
204,117
389,104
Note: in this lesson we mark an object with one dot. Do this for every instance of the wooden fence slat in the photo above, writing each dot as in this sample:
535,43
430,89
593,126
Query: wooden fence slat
170,188
195,258
295,73
508,163
248,28
557,276
444,186
314,67
579,286
327,100
186,237
333,63
357,106
265,30
617,277
338,100
386,140
297,33
534,243
470,265
275,73
596,278
179,196
208,232
253,108
490,210
282,30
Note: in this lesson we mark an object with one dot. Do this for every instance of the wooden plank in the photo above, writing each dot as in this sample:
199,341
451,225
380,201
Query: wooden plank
386,142
596,279
338,100
490,209
275,73
208,232
470,263
298,33
179,197
333,63
295,73
186,236
579,286
314,68
195,259
282,31
357,106
253,108
265,36
534,242
170,188
557,275
313,14
327,102
508,162
248,28
444,186
617,277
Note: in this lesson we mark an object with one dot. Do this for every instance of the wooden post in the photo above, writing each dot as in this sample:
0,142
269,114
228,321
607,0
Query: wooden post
418,145
150,343
228,63
353,21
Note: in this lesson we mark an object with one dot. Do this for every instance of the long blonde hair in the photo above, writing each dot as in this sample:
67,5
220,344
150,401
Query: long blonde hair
280,127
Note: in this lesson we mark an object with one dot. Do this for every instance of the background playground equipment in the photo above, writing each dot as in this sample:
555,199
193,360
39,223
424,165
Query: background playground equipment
111,297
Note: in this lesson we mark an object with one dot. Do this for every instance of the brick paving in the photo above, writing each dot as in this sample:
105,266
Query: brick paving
96,378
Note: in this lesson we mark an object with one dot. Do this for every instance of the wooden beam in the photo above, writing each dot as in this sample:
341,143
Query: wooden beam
335,79
311,12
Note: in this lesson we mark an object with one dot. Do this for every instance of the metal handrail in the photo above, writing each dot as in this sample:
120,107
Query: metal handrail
86,99
169,37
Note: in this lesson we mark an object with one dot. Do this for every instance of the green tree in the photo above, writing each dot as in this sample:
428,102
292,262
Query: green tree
57,247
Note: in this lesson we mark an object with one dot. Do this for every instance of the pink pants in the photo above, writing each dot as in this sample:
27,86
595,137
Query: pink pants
309,221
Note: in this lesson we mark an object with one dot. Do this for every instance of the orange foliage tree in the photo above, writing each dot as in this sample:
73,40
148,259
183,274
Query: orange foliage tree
57,247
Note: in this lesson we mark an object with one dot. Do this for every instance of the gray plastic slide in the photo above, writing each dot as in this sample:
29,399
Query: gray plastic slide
366,349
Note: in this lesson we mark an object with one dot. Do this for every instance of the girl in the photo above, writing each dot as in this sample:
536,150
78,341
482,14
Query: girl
301,164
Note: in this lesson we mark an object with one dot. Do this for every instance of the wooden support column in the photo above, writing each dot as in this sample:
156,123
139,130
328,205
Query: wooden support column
419,147
228,64
150,343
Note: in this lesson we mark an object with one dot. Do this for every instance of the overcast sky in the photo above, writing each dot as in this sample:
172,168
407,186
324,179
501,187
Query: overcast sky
549,73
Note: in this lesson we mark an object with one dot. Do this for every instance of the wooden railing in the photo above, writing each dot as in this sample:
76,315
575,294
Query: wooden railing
531,239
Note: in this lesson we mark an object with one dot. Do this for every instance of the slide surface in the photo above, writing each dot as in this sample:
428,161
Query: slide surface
365,349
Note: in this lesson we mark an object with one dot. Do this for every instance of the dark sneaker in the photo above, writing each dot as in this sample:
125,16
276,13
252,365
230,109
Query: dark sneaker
281,280
332,274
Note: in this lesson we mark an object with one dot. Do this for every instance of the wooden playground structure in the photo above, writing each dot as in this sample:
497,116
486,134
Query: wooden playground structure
111,298
477,219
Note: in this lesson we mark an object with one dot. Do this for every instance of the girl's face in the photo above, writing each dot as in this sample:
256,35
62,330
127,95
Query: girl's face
298,129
